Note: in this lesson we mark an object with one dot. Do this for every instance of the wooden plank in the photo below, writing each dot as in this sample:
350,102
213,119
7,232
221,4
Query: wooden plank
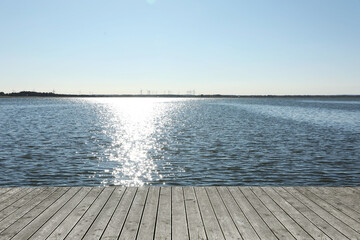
179,228
281,215
277,228
117,220
58,217
242,223
163,222
309,214
23,210
37,222
148,221
212,227
100,223
88,218
195,223
300,219
4,190
72,219
133,219
336,223
348,197
357,189
12,195
41,204
9,194
227,225
9,209
262,230
330,209
327,194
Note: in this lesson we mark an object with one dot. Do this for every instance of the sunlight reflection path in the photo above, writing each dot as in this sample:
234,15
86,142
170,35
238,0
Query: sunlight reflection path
134,125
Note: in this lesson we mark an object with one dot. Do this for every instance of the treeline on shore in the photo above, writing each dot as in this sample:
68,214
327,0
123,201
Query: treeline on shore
52,94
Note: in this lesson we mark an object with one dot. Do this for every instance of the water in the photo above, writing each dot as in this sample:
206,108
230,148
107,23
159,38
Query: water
174,141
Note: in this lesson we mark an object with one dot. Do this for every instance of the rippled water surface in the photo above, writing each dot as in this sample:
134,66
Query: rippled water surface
174,141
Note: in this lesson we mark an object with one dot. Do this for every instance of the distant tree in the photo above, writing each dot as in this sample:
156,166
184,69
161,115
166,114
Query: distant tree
2,93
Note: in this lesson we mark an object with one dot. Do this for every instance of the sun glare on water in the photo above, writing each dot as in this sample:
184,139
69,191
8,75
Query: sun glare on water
134,126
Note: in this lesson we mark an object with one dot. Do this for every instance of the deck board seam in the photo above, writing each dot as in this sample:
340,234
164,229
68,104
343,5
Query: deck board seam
312,222
19,206
142,213
222,200
282,224
52,215
11,203
107,224
186,215
201,216
212,207
336,218
70,230
334,227
127,214
296,211
69,213
332,205
97,215
157,213
57,189
257,212
246,217
47,209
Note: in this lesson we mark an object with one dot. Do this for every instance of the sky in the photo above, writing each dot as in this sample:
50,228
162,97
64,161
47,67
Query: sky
174,46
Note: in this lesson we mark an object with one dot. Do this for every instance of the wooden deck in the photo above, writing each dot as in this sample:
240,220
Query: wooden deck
180,213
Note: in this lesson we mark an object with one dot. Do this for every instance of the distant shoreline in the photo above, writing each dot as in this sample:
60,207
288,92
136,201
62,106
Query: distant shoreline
51,94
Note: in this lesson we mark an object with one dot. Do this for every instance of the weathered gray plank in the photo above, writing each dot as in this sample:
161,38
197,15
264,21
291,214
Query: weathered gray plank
46,229
243,225
251,214
72,219
178,215
188,212
327,194
24,219
347,196
100,223
16,195
300,219
163,222
4,190
133,219
11,193
279,213
89,217
12,207
330,209
117,220
278,229
212,227
336,223
148,221
309,214
23,210
227,225
34,225
195,223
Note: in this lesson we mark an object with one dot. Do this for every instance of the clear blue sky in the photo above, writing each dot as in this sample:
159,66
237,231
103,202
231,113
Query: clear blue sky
210,46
